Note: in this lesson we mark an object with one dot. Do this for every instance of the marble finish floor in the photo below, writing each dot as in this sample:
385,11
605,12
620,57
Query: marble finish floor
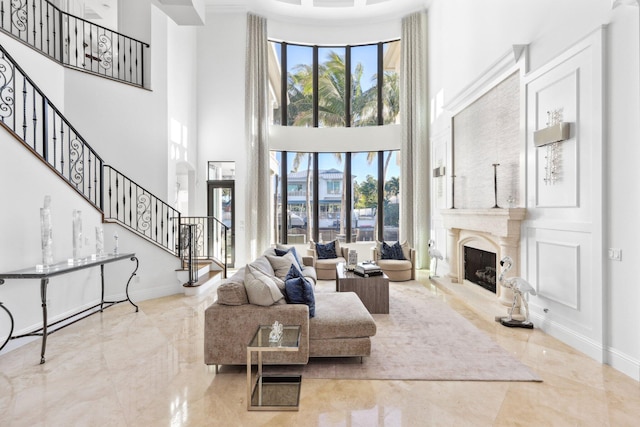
123,368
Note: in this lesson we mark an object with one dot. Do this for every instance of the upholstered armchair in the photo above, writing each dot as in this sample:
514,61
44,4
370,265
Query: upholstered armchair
398,270
326,267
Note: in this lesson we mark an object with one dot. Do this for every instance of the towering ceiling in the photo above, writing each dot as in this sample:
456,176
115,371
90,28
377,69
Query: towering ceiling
327,10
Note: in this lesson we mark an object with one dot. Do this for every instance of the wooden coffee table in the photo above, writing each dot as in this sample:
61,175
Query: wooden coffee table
373,291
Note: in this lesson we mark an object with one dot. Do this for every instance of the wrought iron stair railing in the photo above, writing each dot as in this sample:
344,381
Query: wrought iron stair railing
139,210
204,237
28,115
74,42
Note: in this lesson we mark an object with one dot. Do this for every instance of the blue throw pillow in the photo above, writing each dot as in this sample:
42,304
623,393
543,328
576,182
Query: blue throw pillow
281,252
327,250
298,290
391,252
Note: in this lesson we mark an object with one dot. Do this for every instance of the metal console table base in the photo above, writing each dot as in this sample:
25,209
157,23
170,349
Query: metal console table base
44,273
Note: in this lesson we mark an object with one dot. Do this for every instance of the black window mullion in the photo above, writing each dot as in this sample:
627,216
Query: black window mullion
284,189
315,86
316,207
380,82
379,217
348,197
284,106
347,89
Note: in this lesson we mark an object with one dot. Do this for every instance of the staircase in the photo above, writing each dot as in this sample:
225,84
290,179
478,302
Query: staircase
28,115
74,42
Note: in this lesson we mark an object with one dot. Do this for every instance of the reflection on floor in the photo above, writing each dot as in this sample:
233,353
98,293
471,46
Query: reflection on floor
146,369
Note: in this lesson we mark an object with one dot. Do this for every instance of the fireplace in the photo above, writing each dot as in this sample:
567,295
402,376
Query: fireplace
495,230
480,267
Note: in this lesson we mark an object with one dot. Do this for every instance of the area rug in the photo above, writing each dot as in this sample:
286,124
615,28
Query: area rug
421,339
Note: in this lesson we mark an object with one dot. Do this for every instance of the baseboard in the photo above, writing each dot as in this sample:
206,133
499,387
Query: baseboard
570,337
623,363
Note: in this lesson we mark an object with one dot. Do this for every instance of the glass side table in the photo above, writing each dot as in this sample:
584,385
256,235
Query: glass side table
273,392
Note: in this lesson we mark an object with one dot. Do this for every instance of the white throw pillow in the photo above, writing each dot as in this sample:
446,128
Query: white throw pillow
261,289
282,264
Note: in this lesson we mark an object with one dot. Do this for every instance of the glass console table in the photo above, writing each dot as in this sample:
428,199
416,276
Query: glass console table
273,392
45,272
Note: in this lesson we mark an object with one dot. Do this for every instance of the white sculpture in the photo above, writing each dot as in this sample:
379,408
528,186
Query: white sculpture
434,254
520,288
276,332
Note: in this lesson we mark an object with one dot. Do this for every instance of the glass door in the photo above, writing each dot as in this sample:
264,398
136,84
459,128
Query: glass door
221,206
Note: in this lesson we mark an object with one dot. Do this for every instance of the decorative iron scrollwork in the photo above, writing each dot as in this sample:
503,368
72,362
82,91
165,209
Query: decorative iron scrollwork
143,209
76,159
19,14
104,51
6,90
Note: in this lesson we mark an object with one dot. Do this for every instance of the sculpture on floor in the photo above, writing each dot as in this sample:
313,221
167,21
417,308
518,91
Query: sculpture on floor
434,254
520,288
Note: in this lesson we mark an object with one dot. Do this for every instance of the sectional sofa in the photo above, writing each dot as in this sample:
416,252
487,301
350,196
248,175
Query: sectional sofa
341,325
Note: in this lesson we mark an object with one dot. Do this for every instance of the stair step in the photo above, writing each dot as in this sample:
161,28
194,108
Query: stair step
204,283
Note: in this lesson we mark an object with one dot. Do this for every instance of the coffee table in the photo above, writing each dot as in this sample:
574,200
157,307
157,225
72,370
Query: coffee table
373,291
273,392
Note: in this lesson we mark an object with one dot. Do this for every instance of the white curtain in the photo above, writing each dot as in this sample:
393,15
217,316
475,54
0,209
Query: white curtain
257,129
415,184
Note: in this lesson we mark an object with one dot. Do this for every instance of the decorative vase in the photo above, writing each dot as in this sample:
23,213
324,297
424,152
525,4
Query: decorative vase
353,260
46,232
77,233
99,241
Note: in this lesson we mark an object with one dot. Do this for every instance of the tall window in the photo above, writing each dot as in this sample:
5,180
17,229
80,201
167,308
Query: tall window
338,86
352,197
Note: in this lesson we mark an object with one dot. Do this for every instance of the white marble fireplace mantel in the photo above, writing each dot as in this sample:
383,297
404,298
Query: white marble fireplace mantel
496,228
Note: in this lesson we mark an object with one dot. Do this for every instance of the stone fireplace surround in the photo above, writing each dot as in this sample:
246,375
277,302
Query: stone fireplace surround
494,230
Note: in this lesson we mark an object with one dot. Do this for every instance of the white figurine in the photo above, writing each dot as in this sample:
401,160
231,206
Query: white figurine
434,254
276,332
520,288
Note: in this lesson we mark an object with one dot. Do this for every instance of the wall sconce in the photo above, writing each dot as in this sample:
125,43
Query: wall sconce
551,137
554,133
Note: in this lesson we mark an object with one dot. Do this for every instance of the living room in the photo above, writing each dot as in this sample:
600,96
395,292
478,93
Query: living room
190,87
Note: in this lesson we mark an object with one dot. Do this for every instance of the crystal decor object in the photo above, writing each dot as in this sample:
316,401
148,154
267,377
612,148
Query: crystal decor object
99,240
46,232
77,233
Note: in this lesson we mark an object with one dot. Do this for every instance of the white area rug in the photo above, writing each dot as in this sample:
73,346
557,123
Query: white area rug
421,339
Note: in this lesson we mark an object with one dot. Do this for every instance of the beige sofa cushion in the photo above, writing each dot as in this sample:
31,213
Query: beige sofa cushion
232,293
340,315
282,264
261,289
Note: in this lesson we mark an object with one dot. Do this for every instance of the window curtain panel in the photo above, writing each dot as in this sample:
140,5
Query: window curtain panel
415,187
257,129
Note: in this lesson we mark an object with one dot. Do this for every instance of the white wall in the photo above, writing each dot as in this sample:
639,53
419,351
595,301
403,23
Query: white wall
181,118
621,206
465,39
128,128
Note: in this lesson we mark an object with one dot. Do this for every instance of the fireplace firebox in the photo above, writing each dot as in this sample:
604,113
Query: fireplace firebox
480,268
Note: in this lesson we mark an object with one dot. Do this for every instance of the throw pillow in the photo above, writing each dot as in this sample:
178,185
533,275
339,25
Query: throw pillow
298,290
392,252
326,251
281,264
292,250
261,289
232,293
263,264
406,250
286,248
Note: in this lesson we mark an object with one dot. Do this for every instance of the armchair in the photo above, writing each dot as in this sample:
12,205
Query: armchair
397,270
326,268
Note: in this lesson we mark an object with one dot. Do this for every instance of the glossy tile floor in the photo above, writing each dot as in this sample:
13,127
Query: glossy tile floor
146,369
